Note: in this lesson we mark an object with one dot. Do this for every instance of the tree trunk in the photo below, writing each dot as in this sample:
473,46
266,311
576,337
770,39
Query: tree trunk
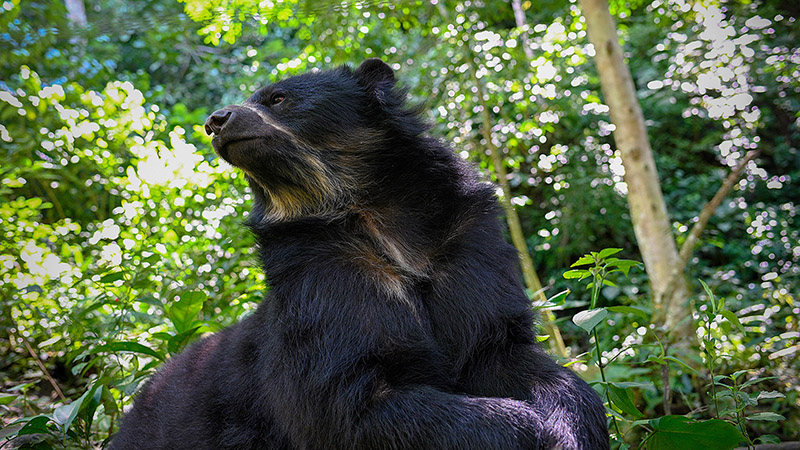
532,281
522,24
648,210
76,13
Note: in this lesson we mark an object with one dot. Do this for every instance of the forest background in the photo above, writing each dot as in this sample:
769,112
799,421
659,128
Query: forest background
122,237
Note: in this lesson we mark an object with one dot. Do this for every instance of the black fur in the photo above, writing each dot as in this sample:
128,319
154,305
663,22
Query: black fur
396,318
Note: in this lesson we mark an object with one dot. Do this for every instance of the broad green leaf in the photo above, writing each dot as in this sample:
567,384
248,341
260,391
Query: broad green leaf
36,425
64,415
559,298
184,312
732,319
152,259
754,381
579,274
710,350
623,399
90,405
768,439
583,260
629,310
738,373
678,432
606,252
6,399
765,395
625,265
590,318
112,277
130,347
109,403
177,342
766,417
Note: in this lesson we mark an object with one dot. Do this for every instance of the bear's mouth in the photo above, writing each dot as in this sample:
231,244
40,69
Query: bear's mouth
223,146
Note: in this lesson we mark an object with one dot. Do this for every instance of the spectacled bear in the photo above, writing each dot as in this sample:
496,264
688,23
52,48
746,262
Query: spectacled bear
395,319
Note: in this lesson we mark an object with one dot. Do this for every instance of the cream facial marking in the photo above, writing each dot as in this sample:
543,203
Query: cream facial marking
266,119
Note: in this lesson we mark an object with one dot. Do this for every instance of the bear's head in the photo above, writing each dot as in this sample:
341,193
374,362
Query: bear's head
311,143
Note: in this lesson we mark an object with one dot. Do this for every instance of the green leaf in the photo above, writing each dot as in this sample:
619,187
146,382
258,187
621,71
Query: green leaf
738,373
678,432
90,405
152,259
583,260
177,342
732,319
6,399
64,415
10,430
635,384
558,299
579,274
112,277
629,310
36,425
22,387
625,265
590,318
109,403
710,296
754,381
766,395
654,359
622,398
766,417
768,439
711,351
128,347
685,366
606,252
185,310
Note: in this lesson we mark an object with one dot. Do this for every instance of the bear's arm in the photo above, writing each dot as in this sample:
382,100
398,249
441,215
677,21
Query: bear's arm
353,369
480,283
570,412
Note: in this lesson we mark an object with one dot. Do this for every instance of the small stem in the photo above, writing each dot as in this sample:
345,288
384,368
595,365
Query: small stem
740,417
603,377
599,276
711,366
667,389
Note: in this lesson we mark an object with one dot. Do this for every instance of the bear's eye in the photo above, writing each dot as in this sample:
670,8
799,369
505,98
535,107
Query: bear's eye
276,99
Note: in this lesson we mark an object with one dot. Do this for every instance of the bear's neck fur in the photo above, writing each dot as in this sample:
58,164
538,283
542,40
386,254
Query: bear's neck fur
396,231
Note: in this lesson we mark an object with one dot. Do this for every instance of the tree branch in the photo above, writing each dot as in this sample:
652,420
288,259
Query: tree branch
39,363
710,207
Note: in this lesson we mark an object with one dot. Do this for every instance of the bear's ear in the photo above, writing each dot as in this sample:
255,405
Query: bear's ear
376,76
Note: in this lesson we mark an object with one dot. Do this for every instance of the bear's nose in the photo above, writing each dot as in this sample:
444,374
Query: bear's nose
216,121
